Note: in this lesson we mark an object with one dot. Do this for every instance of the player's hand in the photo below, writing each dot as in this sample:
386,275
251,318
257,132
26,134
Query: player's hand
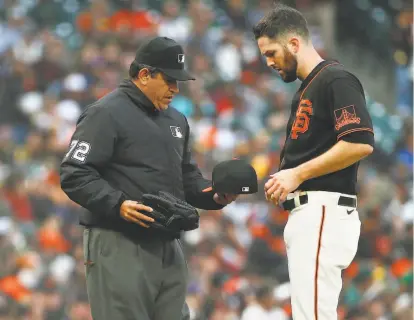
281,184
224,199
131,211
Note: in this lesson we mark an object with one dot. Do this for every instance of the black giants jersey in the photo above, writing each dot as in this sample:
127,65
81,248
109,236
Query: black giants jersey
328,107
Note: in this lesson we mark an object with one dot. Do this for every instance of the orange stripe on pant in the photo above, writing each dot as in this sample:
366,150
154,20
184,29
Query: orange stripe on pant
317,261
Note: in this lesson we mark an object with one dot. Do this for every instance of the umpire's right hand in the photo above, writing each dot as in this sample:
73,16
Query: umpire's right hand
130,211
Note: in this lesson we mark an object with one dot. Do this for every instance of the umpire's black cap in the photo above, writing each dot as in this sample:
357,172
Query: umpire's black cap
166,55
235,177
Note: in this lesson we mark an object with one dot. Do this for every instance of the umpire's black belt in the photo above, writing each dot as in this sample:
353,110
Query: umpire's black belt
303,199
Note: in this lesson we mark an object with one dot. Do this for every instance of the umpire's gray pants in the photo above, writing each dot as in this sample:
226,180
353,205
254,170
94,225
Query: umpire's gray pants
131,279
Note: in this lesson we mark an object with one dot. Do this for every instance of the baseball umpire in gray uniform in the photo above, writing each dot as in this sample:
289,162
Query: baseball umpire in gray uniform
127,145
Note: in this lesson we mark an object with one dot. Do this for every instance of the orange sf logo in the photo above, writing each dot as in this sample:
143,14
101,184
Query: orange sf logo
301,124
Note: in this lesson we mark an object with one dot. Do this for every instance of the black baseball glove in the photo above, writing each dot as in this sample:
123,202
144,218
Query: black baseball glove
170,213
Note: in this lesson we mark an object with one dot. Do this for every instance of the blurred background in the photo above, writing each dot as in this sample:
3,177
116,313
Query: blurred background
57,56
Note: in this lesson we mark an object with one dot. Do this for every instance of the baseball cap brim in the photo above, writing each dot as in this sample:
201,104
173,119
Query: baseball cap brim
179,75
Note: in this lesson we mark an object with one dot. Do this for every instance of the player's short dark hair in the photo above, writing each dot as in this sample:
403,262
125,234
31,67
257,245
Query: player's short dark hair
135,68
280,21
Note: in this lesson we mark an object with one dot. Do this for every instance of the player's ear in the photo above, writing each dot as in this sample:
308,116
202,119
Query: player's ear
294,45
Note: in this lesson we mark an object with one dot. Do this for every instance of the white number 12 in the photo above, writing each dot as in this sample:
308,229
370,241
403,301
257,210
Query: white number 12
79,150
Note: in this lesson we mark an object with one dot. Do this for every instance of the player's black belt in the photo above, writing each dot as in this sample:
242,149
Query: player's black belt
303,199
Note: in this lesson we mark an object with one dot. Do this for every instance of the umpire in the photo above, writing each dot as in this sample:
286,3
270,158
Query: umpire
127,144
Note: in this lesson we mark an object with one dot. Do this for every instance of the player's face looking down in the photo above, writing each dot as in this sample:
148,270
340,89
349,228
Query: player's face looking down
280,56
158,87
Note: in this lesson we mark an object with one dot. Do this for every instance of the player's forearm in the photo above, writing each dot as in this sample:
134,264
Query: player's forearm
340,156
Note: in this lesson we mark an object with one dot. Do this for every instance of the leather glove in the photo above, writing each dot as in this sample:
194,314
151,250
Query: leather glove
170,213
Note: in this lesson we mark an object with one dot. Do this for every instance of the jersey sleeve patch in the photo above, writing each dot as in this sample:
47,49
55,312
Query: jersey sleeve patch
346,116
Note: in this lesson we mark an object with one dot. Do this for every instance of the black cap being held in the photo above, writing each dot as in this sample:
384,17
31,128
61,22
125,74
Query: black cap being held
164,54
234,177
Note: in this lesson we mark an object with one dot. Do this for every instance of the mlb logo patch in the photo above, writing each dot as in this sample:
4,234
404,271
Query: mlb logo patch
245,189
181,58
176,132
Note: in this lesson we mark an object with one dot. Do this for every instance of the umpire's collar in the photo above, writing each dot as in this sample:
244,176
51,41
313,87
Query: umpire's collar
137,96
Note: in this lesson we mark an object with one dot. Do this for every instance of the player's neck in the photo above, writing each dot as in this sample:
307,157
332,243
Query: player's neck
310,59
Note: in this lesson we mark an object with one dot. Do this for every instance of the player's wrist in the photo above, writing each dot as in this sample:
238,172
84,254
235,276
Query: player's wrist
302,173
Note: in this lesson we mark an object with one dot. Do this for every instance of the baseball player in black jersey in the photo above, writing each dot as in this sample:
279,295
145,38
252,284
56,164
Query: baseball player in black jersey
329,131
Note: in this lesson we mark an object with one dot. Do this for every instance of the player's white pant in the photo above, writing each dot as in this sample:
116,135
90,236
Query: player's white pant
321,239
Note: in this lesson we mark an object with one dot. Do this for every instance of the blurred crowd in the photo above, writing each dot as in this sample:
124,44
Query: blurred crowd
384,29
58,56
